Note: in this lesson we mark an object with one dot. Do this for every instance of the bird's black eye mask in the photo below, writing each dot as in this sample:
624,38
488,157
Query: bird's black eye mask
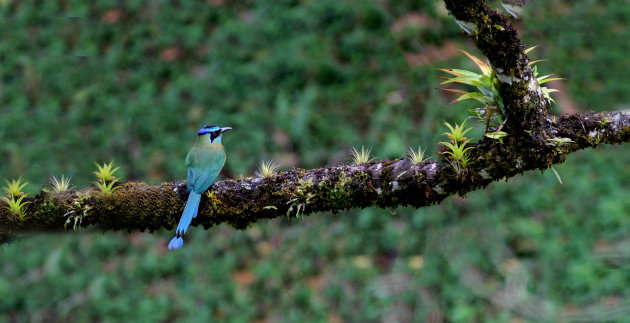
214,135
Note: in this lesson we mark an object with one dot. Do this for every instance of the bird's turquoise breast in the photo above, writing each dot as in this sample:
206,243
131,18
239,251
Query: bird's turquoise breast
204,161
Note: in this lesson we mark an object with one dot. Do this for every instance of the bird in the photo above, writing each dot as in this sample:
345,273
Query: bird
204,161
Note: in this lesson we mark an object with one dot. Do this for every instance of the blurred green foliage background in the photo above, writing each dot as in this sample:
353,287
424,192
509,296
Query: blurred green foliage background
301,82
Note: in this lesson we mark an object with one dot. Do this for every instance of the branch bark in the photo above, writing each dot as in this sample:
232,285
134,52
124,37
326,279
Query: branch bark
532,144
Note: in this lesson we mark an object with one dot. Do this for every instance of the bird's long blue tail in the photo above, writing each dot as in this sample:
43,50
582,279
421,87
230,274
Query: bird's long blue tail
190,212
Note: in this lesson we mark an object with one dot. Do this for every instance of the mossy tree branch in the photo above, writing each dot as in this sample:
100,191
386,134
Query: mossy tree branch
136,206
534,142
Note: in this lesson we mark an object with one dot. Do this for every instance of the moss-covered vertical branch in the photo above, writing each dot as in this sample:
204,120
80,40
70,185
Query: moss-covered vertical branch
526,107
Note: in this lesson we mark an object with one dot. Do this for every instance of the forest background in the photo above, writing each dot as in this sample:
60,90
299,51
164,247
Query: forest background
301,83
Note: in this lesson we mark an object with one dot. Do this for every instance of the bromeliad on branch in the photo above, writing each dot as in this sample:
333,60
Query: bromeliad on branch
487,93
492,114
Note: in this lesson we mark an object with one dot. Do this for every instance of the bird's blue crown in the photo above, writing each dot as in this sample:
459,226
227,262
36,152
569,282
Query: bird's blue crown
215,132
208,129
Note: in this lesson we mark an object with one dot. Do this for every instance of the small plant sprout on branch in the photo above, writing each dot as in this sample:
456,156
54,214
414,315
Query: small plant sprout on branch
267,169
14,187
415,156
14,197
105,187
58,185
457,133
497,135
543,79
106,178
106,172
603,122
15,206
361,157
558,141
458,151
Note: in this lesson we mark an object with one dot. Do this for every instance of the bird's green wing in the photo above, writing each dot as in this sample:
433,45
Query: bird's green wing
204,164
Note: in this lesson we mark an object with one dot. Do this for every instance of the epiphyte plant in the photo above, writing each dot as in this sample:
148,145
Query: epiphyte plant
487,89
14,187
497,135
543,79
106,178
457,133
459,153
15,196
603,122
457,145
415,156
58,185
267,169
360,157
106,188
487,93
106,172
15,206
558,141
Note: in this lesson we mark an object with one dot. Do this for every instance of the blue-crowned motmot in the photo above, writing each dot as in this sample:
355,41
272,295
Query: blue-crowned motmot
204,161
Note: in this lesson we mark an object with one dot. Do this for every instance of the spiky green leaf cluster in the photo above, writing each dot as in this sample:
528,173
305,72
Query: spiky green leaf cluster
15,206
106,188
106,178
458,150
58,185
106,172
543,79
415,156
457,133
15,196
360,157
486,83
14,187
267,169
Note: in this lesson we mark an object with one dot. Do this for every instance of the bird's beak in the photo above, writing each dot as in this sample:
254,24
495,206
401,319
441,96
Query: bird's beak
224,129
